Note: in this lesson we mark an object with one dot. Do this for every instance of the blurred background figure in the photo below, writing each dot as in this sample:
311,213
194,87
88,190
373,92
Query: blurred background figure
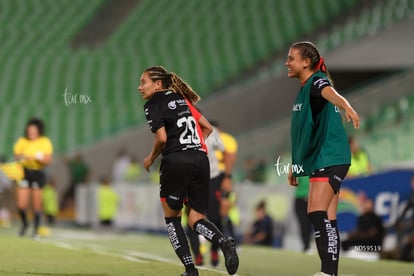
301,211
7,179
248,169
369,230
133,171
259,172
226,166
79,172
404,227
50,201
254,170
360,164
34,151
120,165
108,200
261,231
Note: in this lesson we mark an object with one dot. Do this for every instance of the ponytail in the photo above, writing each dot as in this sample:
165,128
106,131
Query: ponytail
309,50
173,82
180,86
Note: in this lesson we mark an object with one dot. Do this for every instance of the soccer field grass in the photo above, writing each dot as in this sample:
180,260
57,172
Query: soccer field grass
73,252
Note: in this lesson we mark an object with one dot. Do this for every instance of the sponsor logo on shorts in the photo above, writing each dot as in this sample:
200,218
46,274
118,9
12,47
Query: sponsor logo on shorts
337,178
173,197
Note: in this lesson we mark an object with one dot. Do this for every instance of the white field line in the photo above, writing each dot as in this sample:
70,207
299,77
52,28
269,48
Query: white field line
157,258
131,255
95,250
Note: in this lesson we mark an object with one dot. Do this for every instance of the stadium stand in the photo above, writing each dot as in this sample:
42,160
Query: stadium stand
201,45
209,43
368,22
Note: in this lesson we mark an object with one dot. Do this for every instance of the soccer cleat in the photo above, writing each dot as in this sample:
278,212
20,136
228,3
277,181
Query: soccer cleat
321,274
199,260
214,258
230,255
23,229
190,273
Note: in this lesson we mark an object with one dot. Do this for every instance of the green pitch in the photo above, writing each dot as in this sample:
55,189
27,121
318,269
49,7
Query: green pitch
69,252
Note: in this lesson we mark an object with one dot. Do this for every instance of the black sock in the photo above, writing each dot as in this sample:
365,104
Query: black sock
23,217
209,231
179,242
37,219
194,241
337,246
326,241
217,223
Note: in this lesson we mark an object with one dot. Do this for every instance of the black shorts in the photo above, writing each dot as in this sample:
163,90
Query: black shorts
213,213
185,174
333,174
33,179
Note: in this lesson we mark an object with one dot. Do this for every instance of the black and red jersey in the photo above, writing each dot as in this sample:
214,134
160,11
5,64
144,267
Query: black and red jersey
170,110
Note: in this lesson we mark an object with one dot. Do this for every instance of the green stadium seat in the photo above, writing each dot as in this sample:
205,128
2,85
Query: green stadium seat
201,45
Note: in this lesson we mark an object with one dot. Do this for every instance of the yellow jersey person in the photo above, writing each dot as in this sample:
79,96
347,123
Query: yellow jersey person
50,201
34,151
360,164
226,166
107,203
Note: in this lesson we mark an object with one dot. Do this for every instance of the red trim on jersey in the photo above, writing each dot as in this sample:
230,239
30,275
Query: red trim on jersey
197,115
319,179
163,199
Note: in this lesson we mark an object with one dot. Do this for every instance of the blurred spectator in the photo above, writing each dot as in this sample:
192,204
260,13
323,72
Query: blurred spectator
360,164
301,207
10,174
79,173
259,172
369,231
133,171
261,232
50,201
254,171
405,230
248,168
107,203
120,166
5,199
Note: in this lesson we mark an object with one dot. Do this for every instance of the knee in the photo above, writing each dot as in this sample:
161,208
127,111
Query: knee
193,217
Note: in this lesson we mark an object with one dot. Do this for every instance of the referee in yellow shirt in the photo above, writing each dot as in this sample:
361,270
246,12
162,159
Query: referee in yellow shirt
34,152
226,166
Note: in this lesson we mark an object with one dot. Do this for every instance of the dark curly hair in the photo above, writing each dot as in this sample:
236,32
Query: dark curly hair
38,123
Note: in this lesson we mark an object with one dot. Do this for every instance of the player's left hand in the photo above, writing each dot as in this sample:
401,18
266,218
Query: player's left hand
350,114
147,163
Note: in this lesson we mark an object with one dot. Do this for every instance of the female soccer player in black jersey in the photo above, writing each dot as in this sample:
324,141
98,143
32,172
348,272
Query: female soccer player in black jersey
184,171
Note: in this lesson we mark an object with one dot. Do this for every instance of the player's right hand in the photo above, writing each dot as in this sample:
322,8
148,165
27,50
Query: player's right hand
292,179
147,163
